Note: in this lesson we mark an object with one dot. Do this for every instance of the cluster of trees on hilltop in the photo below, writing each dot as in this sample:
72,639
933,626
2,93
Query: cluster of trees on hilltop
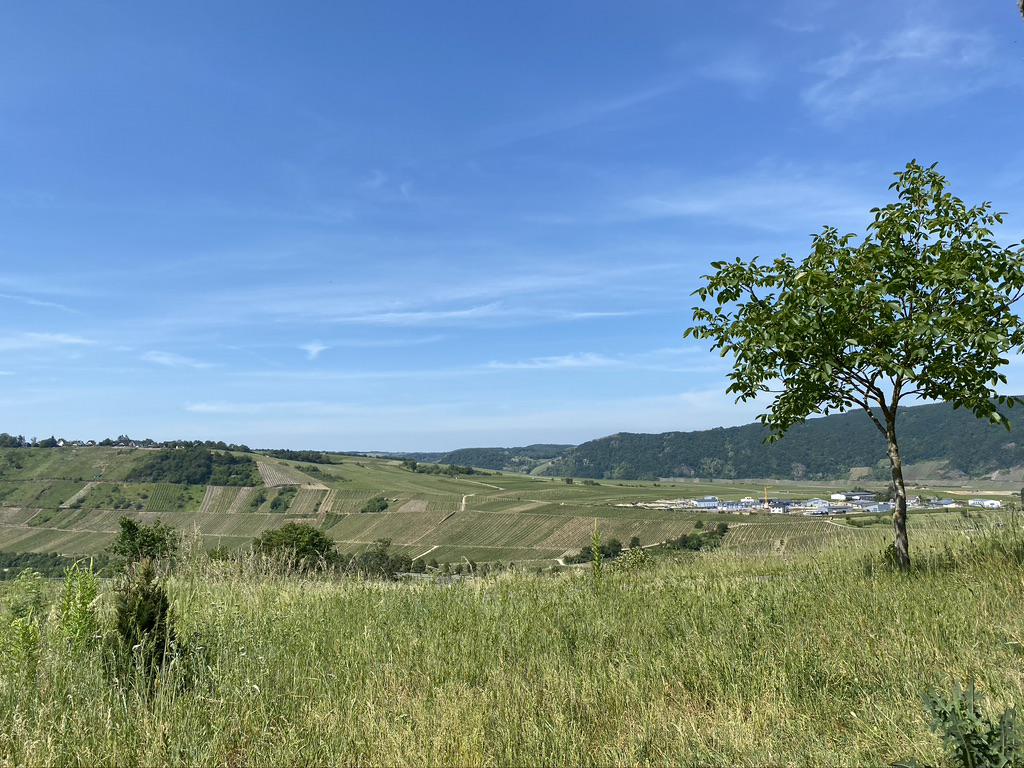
19,441
196,465
821,448
438,469
123,441
311,457
219,445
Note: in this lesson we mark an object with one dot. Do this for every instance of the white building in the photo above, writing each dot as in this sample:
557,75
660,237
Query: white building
881,507
985,503
708,502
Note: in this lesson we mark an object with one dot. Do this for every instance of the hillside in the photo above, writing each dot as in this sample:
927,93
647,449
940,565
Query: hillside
954,442
70,500
522,459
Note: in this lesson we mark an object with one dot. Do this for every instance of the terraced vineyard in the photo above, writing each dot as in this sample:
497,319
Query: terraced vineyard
275,473
168,498
219,499
790,535
307,502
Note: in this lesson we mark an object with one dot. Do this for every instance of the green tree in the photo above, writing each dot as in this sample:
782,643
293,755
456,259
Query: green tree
920,307
305,545
138,541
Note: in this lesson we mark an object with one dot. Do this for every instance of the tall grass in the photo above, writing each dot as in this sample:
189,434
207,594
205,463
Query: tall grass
716,659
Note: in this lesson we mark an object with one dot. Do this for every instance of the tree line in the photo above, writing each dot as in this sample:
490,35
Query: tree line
610,550
310,457
450,470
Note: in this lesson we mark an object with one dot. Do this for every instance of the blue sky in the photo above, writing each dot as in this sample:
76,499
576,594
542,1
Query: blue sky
410,225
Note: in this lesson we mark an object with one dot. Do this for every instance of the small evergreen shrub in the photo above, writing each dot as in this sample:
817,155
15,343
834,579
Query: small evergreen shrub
143,635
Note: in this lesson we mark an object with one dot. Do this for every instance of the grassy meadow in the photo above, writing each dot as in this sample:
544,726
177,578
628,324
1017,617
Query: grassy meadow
720,658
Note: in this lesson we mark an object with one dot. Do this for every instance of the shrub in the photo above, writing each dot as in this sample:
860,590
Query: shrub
298,543
137,541
25,596
633,560
77,622
376,504
283,499
143,633
377,561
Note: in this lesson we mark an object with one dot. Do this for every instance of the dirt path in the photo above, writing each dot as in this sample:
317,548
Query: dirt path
477,482
80,494
463,507
424,554
326,505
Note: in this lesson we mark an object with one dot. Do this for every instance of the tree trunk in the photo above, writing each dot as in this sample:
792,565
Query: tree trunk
899,514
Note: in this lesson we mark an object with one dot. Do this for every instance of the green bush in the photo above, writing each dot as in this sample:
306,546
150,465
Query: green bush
376,504
143,633
137,541
297,544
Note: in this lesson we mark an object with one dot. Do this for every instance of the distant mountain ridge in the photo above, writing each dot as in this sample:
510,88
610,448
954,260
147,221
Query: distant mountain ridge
954,441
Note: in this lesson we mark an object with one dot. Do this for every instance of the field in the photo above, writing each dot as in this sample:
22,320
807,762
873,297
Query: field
488,517
720,658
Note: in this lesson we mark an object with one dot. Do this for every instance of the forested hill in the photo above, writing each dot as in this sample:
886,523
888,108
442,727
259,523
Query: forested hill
523,459
827,447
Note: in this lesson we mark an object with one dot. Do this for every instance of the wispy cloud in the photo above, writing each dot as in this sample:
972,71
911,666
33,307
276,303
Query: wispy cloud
740,69
172,360
406,341
420,317
919,65
34,302
580,114
581,360
773,197
22,341
313,349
